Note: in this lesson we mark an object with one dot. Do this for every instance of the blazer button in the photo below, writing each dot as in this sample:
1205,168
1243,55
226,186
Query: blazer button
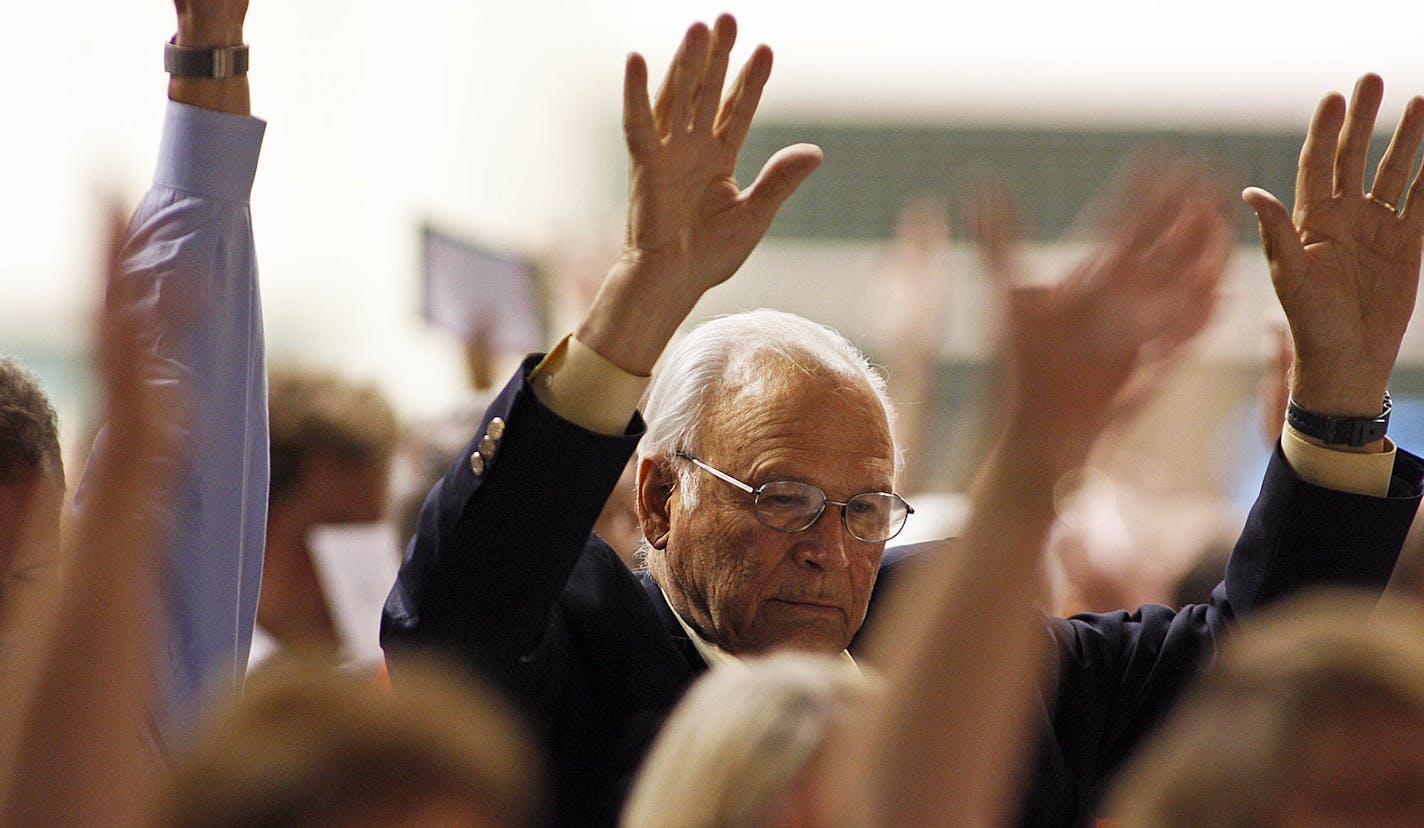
496,428
477,464
487,446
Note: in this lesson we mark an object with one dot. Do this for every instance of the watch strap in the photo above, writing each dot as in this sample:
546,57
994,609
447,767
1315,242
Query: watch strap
215,62
1339,431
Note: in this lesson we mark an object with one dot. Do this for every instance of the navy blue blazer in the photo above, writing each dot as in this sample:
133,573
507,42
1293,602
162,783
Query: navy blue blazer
505,573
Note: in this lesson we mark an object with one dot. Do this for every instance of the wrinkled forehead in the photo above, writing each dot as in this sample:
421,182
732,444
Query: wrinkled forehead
808,415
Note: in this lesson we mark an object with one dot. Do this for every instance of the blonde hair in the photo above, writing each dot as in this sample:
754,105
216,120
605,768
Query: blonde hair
309,745
1224,757
739,739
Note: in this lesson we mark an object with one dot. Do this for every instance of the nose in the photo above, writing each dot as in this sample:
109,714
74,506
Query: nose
823,545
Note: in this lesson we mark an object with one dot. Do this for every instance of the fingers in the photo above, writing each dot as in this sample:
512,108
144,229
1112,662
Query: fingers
115,225
1314,180
994,217
1207,264
120,297
724,34
690,98
1185,264
1393,171
639,128
1355,137
674,103
735,117
1199,242
119,349
778,179
1154,196
1413,202
1168,312
1414,207
1194,310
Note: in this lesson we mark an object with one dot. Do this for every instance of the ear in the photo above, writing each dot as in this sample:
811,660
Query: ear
656,482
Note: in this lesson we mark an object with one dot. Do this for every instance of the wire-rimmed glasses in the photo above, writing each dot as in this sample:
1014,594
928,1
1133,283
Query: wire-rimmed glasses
793,506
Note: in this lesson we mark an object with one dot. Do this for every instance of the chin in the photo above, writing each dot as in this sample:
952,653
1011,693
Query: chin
810,641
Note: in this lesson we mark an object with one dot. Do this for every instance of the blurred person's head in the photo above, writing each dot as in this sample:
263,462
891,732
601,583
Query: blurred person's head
1408,578
1314,716
310,746
736,750
31,470
764,397
331,449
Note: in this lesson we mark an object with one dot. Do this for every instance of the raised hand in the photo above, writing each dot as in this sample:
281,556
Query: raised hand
690,224
1082,351
686,207
1345,262
1075,350
145,419
90,712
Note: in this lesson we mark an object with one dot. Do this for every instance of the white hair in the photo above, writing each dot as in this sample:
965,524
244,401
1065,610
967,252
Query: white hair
739,740
730,351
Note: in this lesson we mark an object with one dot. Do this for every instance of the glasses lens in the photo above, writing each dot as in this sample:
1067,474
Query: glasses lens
876,516
789,506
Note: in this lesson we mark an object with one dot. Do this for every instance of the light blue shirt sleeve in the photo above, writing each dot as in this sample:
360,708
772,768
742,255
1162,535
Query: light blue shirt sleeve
190,246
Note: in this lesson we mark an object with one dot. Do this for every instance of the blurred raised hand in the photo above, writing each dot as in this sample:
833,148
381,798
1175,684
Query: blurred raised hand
1082,351
966,651
85,751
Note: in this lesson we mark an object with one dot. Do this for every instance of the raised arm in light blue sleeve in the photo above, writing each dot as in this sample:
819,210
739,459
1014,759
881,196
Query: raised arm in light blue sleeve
190,244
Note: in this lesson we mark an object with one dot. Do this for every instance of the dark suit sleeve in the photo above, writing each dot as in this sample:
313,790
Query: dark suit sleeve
1118,673
493,549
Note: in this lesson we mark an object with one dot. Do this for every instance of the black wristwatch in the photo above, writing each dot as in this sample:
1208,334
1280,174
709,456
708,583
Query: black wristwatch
1339,431
215,62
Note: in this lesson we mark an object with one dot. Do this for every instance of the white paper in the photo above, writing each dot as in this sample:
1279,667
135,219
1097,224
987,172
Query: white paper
356,564
481,295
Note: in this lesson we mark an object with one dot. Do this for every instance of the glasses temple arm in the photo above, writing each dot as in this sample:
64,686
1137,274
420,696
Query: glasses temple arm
723,476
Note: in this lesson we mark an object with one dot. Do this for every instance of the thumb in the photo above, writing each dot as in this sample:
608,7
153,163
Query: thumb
782,174
1284,252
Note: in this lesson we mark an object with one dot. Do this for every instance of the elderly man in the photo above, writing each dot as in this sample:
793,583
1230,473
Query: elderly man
766,475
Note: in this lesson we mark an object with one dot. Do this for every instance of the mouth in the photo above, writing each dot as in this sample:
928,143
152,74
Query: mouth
811,605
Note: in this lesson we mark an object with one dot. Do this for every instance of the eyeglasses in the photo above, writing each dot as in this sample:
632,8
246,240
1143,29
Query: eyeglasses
792,506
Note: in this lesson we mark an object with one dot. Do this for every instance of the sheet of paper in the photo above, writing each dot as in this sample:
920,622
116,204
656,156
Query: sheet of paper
356,564
481,294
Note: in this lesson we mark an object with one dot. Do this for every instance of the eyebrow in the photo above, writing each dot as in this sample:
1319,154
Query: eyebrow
779,474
